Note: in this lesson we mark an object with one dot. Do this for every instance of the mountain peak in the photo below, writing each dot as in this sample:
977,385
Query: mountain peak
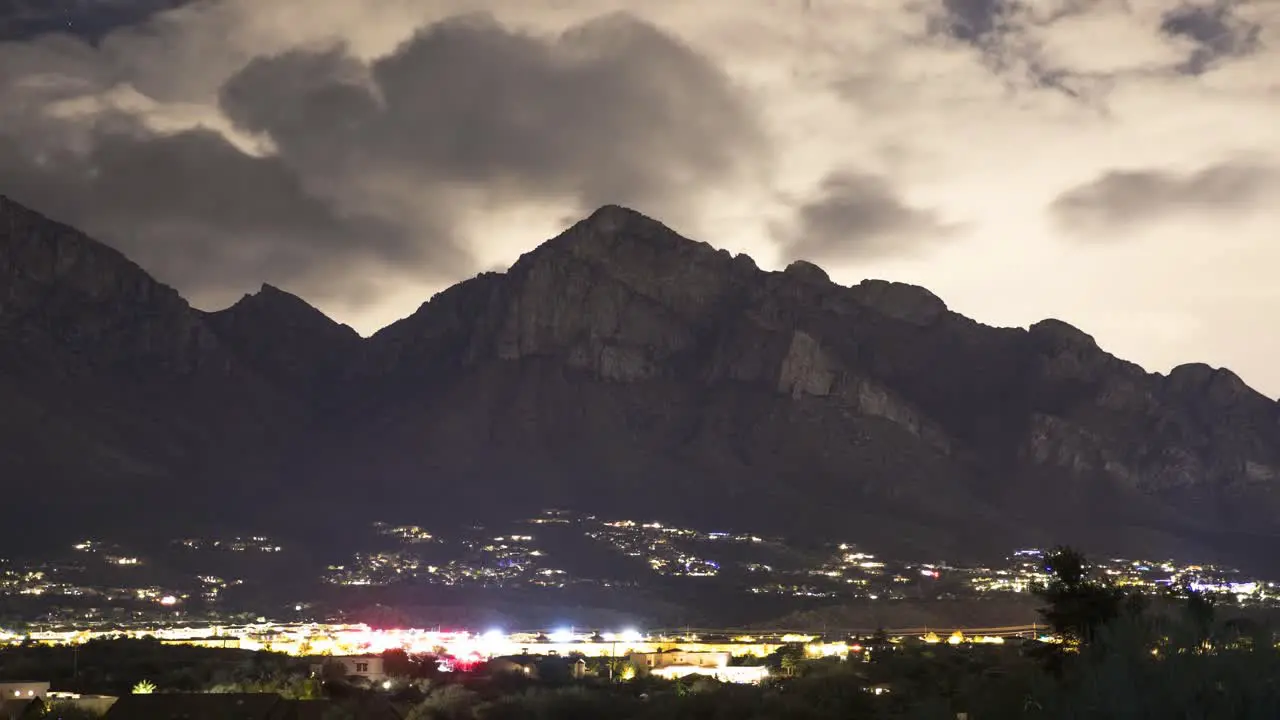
1220,384
909,303
808,272
614,229
613,218
271,295
619,365
1061,335
611,228
279,309
42,249
268,289
58,283
625,243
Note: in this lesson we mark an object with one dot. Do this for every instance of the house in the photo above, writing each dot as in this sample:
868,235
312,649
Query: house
539,667
94,704
23,690
651,661
24,709
525,665
368,668
743,674
673,664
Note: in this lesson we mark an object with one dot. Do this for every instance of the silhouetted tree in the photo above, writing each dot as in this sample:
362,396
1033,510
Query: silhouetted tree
786,659
1200,613
1078,604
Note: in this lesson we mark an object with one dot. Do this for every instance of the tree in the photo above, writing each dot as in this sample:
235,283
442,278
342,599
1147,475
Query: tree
1200,613
785,659
448,702
1078,604
877,645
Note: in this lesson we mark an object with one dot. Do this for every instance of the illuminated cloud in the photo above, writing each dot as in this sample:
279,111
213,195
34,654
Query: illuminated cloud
855,216
1124,198
1216,31
367,154
613,110
329,169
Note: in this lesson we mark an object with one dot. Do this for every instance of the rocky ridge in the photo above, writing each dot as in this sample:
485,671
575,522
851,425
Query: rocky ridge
620,367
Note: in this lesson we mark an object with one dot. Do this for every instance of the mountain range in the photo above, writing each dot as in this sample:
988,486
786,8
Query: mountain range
620,369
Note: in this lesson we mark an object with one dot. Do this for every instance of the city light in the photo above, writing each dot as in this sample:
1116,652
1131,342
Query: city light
561,636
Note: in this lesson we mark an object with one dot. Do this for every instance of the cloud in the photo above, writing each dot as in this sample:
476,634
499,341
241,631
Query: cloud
204,215
1215,30
316,165
456,142
1122,199
972,20
613,110
858,216
25,19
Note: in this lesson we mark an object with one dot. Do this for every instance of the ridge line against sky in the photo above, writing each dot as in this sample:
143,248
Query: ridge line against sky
1112,164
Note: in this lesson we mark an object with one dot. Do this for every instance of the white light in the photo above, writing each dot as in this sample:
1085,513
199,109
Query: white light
494,635
386,684
561,636
629,636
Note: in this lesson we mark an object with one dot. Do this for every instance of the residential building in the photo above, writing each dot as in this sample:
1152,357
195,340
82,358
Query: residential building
23,690
651,661
368,668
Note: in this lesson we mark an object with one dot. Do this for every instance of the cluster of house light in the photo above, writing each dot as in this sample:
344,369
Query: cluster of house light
313,639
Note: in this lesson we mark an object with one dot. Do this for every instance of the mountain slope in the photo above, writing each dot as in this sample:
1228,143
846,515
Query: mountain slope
115,396
287,341
623,369
622,366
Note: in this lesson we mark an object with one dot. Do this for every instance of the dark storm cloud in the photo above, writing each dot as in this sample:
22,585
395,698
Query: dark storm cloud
1126,198
858,216
972,20
200,213
367,159
613,111
993,28
1216,32
25,19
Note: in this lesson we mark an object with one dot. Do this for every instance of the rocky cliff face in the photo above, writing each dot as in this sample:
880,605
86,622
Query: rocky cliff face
778,386
621,368
113,389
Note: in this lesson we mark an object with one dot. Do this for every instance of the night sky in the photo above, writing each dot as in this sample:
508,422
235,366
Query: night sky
1112,164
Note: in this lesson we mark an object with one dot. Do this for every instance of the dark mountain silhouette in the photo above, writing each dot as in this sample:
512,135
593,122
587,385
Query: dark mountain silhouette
619,369
292,344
